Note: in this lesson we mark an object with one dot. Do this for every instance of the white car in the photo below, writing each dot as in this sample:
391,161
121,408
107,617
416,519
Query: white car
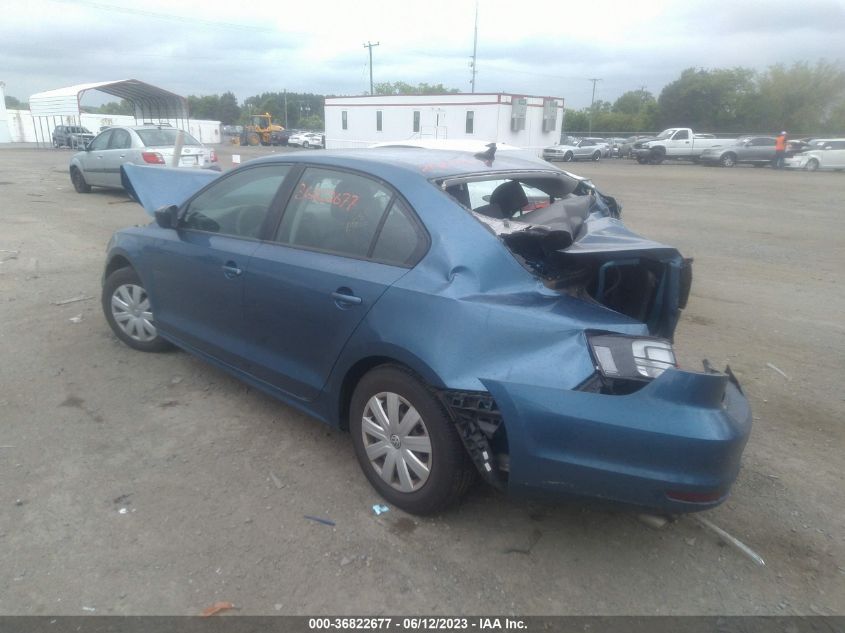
585,149
152,145
821,154
306,140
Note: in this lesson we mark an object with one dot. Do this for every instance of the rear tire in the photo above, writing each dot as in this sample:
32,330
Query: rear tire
78,181
421,480
126,306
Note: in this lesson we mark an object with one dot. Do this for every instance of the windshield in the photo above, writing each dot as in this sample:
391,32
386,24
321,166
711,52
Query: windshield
156,137
79,130
666,133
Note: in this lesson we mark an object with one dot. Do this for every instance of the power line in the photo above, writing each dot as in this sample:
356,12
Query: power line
474,49
592,101
370,45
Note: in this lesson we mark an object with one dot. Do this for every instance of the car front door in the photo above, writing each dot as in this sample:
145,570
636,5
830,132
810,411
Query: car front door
835,156
198,268
114,156
308,291
92,160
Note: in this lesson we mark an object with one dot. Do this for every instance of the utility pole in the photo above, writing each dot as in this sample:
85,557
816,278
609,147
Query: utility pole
286,108
474,49
370,46
592,101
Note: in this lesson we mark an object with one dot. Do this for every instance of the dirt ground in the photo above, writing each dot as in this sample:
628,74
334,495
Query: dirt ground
155,484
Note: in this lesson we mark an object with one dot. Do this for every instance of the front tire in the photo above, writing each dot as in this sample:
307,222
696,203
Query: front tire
597,156
812,165
405,442
78,181
567,158
728,160
305,145
128,312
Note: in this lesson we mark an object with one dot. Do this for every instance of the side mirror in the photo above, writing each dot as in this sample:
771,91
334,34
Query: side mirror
167,217
87,146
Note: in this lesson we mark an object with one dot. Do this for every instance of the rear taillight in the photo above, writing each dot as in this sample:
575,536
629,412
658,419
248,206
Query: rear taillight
213,156
153,157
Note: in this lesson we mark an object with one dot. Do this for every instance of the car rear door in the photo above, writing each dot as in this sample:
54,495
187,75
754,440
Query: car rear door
308,290
198,269
761,149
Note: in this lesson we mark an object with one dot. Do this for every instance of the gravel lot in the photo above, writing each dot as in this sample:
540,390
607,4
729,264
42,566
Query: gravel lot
155,484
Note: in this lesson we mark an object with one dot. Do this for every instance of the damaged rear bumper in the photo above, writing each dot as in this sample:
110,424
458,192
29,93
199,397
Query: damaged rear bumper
675,445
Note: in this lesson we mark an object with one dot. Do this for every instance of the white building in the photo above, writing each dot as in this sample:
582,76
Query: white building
528,122
5,136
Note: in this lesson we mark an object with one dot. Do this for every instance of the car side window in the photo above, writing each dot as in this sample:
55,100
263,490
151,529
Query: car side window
102,141
681,135
238,204
763,142
400,241
334,211
120,139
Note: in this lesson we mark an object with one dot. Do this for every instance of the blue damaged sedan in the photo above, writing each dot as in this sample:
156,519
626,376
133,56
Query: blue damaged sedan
418,300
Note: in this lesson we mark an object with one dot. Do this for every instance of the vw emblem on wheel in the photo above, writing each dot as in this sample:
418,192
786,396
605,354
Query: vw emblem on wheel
394,439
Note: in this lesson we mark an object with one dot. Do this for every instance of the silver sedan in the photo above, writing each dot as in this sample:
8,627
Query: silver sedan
155,145
585,149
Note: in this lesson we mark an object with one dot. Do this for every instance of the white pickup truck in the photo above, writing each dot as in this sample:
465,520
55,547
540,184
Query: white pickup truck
677,143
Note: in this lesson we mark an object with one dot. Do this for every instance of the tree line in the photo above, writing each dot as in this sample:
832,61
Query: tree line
803,99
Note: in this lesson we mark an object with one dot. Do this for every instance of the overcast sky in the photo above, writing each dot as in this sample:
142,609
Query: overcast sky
542,47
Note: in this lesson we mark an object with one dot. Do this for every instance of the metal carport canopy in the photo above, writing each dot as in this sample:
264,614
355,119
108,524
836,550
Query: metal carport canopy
150,102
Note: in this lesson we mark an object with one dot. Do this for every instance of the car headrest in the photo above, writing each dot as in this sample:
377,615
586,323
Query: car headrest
510,197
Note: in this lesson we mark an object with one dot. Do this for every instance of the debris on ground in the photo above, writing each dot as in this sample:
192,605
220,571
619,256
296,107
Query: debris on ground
770,366
76,319
72,300
216,608
654,521
18,502
276,481
320,520
89,609
345,561
123,511
380,508
732,540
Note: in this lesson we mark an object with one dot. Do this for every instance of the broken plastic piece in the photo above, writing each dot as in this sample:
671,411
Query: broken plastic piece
770,366
320,520
76,319
216,608
732,540
380,509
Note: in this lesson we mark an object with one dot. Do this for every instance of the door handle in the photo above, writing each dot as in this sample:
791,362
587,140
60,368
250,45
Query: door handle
231,270
344,297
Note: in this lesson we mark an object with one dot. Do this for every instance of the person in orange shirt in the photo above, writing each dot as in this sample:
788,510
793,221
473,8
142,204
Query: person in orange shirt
780,150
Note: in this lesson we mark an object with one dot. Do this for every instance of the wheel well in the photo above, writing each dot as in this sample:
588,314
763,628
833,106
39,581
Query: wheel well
350,381
731,154
116,263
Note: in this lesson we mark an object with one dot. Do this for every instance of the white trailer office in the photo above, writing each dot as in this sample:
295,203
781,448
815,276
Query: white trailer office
525,121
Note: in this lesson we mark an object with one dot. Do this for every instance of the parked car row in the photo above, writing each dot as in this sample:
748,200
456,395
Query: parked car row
685,144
